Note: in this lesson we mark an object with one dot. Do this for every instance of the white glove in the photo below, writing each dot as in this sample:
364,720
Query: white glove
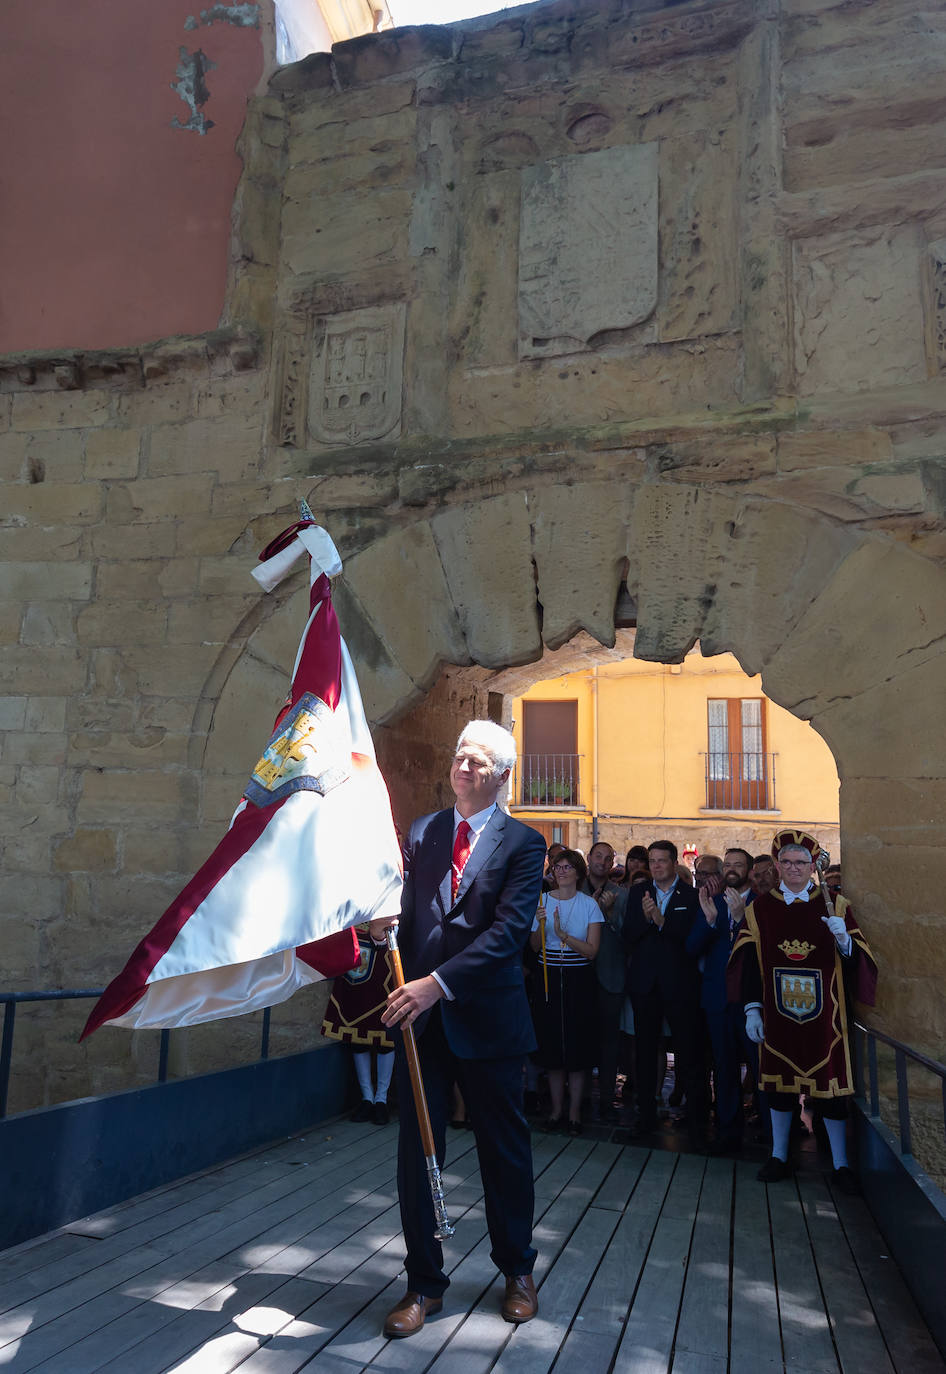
840,932
754,1025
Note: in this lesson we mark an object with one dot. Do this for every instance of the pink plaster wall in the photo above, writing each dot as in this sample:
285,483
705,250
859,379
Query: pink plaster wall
114,226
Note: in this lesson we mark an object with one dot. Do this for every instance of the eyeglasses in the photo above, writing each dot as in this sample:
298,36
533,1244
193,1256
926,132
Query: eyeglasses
556,867
795,863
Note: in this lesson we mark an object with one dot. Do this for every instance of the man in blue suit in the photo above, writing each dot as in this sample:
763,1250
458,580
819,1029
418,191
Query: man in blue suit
711,939
472,878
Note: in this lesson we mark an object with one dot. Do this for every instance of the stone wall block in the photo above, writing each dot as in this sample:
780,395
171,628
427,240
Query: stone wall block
244,715
46,581
159,403
58,671
774,562
167,851
242,394
208,620
52,504
159,498
49,622
386,689
675,566
880,584
56,456
121,623
13,713
375,57
13,449
881,812
699,290
112,454
495,597
832,448
859,313
171,675
899,722
61,409
144,579
145,747
399,584
114,796
355,231
578,588
228,444
47,749
44,544
122,543
86,850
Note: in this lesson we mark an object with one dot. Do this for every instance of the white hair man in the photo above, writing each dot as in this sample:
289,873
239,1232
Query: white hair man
472,878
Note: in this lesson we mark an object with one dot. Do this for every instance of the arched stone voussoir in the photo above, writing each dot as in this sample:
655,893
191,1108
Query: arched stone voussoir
386,689
775,560
401,589
893,730
675,547
881,615
579,543
486,553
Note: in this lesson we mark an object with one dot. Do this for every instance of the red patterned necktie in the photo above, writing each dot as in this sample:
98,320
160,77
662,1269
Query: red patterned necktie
461,852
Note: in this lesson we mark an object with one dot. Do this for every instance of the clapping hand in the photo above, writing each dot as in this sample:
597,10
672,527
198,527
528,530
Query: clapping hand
737,907
558,926
652,911
707,906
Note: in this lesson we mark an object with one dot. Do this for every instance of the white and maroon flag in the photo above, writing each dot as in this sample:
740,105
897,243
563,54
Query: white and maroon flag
311,849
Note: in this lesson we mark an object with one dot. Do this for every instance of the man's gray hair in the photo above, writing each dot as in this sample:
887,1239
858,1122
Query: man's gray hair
496,743
713,859
795,849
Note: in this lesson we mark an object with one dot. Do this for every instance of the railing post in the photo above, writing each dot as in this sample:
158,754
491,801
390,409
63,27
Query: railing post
264,1040
872,1069
903,1103
6,1054
163,1046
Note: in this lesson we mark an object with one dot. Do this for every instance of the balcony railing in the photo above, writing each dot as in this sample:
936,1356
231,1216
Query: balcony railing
740,781
545,780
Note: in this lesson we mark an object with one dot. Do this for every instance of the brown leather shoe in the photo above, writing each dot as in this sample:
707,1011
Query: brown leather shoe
521,1302
409,1314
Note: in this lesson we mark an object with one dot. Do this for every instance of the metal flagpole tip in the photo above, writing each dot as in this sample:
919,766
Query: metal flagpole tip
305,510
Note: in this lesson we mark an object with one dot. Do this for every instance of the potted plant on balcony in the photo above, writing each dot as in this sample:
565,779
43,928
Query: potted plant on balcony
535,791
558,790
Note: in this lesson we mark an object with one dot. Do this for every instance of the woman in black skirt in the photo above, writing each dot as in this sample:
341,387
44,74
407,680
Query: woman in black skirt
565,1022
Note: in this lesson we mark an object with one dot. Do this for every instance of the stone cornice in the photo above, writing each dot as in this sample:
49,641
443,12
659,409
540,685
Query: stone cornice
222,352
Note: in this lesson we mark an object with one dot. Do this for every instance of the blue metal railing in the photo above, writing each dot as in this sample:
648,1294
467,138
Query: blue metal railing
866,1047
11,1000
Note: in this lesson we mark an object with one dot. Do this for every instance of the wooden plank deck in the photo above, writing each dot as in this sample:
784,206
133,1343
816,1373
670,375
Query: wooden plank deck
650,1262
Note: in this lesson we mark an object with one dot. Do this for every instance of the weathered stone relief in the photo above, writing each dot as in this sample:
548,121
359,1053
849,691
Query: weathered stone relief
859,314
587,248
355,376
340,377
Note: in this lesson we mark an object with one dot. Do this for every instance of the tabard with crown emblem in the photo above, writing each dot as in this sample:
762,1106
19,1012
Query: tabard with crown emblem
786,958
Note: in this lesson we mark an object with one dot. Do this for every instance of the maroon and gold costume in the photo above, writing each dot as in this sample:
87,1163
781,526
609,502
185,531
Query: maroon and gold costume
353,1014
786,958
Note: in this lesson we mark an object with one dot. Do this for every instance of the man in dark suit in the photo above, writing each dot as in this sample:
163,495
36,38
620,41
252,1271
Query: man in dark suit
663,983
472,877
711,939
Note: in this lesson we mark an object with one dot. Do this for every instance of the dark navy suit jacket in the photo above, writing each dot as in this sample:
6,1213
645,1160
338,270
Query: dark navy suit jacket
658,958
475,943
713,944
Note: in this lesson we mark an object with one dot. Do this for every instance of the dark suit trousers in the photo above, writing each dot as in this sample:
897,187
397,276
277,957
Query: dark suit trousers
492,1092
649,1012
730,1051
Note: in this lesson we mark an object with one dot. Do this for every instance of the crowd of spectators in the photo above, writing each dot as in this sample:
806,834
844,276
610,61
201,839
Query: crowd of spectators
629,962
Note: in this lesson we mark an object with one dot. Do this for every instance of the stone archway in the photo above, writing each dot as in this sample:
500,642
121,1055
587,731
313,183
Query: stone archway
847,628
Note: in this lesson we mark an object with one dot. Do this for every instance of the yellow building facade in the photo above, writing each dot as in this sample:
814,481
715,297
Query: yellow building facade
694,752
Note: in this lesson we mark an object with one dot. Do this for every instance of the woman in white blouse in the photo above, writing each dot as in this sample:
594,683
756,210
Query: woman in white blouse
565,1021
